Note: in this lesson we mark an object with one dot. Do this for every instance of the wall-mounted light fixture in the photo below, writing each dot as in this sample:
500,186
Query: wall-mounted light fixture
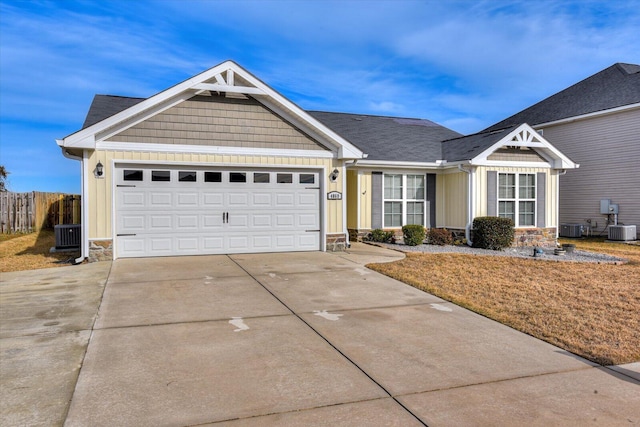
99,172
334,175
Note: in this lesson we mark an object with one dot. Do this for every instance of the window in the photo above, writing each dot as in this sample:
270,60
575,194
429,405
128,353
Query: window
261,177
517,198
132,175
187,176
213,177
284,178
307,178
404,197
161,176
237,177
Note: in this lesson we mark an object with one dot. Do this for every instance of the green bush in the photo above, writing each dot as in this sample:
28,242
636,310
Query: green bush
413,235
380,236
490,232
439,236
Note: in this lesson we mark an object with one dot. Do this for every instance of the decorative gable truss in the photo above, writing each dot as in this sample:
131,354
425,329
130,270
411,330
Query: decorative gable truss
228,79
523,147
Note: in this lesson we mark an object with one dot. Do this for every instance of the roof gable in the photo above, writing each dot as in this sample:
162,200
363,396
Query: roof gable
613,87
227,77
477,149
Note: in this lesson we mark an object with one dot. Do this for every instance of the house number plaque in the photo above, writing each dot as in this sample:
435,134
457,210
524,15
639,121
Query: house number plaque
334,195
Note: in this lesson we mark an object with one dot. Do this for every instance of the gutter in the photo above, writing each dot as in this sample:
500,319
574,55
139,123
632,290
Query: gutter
467,228
83,183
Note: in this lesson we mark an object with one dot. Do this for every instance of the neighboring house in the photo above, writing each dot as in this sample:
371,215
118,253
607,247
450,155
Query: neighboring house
595,122
222,163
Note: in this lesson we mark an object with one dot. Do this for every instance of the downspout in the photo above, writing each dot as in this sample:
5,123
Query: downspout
467,228
560,173
347,243
83,192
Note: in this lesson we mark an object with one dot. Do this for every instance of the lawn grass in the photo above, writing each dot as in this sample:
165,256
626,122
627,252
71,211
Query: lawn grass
20,252
592,310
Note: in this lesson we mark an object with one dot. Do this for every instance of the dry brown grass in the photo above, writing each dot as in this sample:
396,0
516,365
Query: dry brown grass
20,252
592,310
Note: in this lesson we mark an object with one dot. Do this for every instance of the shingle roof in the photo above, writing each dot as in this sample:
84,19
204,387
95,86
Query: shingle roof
616,86
382,138
389,138
104,106
470,146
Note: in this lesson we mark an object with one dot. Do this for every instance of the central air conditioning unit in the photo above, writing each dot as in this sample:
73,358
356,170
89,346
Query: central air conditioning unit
623,233
67,236
570,230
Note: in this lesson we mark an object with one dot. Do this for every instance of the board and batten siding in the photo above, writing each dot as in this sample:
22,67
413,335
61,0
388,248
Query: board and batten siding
608,150
451,200
352,202
218,121
550,188
101,195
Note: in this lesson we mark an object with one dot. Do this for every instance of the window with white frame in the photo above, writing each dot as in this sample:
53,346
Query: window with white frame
404,199
517,198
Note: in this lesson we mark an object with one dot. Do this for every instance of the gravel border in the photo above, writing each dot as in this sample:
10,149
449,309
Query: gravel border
520,252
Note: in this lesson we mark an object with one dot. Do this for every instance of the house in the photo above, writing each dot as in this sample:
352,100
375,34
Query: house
222,163
596,122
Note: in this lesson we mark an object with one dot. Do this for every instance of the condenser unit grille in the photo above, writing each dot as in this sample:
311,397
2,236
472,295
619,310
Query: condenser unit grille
622,232
67,236
570,230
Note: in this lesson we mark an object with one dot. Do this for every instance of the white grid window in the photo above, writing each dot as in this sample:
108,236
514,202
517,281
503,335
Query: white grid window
517,198
404,199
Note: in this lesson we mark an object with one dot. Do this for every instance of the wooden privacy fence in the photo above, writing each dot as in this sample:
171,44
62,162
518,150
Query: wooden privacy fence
33,211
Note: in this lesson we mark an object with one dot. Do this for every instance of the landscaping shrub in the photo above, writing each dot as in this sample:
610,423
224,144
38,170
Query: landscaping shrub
490,232
413,234
380,236
440,237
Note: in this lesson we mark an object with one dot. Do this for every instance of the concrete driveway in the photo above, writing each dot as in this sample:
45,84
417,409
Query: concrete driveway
299,339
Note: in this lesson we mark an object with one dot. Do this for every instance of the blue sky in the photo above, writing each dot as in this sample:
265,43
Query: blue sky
463,64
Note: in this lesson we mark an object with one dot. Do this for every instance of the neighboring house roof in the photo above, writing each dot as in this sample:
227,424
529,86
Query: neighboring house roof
613,87
390,138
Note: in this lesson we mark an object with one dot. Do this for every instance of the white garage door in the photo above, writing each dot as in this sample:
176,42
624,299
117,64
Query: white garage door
162,211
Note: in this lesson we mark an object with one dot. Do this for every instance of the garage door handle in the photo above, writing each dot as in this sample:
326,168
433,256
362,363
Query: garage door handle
127,186
225,217
125,235
312,231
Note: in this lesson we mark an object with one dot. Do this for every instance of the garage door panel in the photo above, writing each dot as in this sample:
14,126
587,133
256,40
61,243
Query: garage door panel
131,223
238,243
187,200
308,199
187,222
285,200
309,241
164,218
163,199
262,242
187,244
132,199
212,222
160,222
284,220
262,200
238,199
261,220
212,244
213,199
